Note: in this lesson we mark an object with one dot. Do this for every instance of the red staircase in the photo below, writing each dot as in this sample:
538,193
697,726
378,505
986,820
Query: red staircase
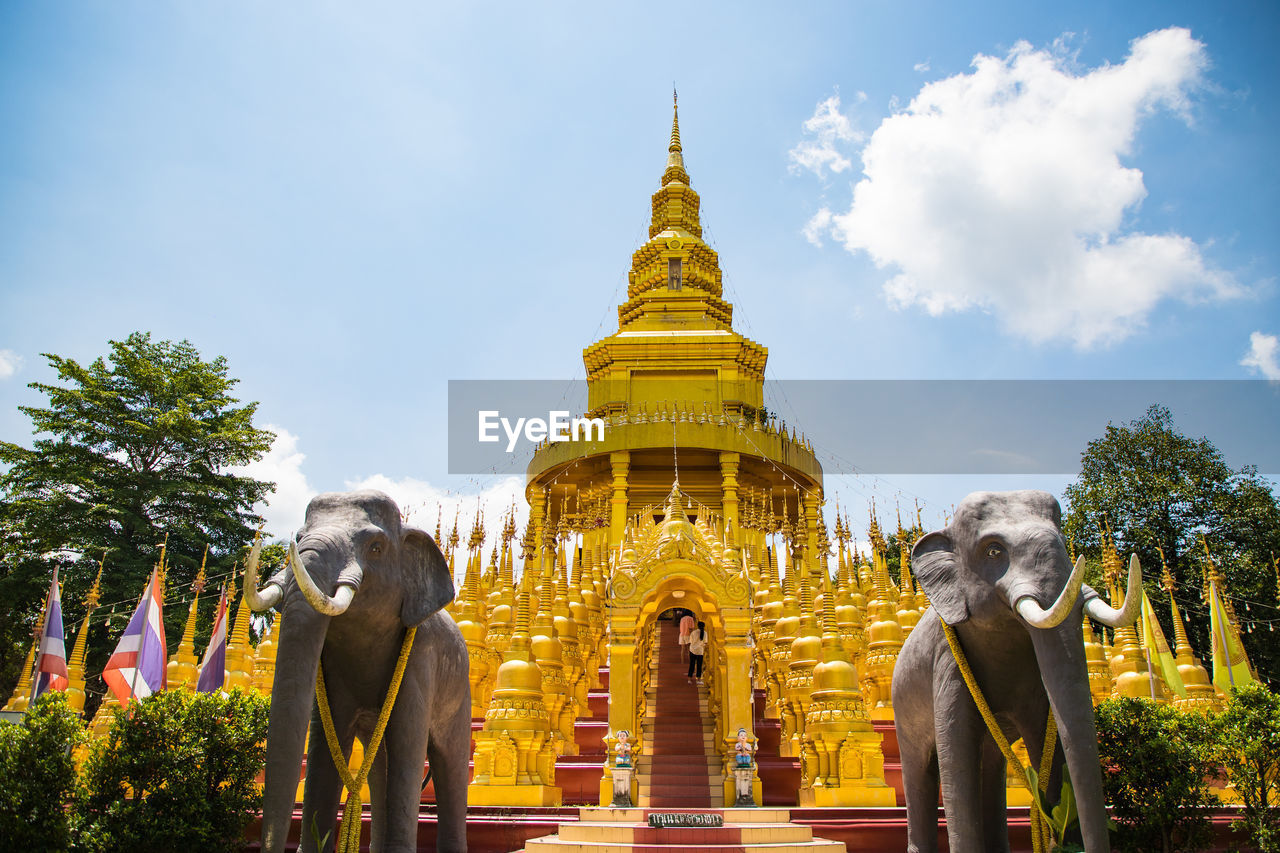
678,767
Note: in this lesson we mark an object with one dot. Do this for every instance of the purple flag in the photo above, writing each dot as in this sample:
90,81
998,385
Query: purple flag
213,669
51,665
136,668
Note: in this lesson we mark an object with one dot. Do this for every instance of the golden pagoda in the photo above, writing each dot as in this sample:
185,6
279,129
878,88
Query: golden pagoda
75,666
1133,674
184,667
1200,693
687,446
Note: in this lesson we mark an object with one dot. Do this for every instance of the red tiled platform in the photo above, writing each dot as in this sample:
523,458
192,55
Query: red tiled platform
499,830
489,830
879,830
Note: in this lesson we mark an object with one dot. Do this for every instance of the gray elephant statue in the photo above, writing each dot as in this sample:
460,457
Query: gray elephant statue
355,582
999,575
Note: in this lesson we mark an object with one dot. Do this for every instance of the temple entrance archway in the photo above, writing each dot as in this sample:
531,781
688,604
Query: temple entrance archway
676,563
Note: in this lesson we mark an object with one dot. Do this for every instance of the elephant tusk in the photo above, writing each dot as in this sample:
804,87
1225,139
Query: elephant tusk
1038,617
330,606
1098,609
270,595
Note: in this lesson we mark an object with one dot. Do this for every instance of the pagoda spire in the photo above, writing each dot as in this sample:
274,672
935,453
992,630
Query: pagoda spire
1199,693
75,666
675,157
184,667
675,205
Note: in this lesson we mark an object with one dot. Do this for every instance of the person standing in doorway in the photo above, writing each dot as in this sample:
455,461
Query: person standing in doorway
686,628
697,648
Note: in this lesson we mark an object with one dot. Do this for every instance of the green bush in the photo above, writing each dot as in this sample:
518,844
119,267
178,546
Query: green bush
1248,748
175,773
37,776
1155,761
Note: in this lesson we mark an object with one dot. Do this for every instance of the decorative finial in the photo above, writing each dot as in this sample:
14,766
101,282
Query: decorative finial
199,583
162,568
95,592
674,158
1166,578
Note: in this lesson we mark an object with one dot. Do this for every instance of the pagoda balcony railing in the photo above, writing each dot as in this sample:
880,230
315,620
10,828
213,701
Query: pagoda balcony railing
734,429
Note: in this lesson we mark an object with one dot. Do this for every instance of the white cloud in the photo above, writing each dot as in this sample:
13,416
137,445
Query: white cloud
282,465
818,225
10,363
1003,190
830,128
921,67
420,501
424,505
1263,355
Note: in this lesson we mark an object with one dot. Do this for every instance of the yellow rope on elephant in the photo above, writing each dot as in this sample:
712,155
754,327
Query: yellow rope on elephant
348,840
1041,834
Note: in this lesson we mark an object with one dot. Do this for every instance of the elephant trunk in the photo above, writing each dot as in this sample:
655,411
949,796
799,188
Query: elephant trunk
335,605
1037,617
1060,654
302,638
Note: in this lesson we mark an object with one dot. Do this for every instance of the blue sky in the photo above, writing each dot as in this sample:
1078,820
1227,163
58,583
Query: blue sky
357,202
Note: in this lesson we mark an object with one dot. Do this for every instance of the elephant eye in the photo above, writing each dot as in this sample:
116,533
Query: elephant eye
375,548
994,551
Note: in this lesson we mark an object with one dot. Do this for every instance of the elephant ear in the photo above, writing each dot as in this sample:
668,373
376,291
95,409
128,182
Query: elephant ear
936,566
428,583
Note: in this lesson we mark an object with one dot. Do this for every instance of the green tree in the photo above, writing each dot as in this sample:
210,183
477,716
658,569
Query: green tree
39,776
1249,749
1155,760
175,773
1160,490
131,449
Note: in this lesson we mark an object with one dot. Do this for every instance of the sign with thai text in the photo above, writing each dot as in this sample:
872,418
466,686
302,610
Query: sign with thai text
666,819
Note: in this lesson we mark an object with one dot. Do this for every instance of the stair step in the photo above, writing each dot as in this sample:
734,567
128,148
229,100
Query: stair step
554,844
667,788
732,816
675,762
688,836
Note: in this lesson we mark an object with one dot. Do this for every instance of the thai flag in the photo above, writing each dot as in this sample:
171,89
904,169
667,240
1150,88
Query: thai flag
51,664
213,669
136,668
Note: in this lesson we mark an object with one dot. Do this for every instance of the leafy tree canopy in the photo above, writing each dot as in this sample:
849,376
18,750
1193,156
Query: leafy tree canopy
39,775
131,449
1159,490
176,773
1156,762
1248,747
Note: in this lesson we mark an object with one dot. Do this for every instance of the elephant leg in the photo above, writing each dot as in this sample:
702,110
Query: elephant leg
920,784
407,741
323,788
378,801
995,821
960,734
448,750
